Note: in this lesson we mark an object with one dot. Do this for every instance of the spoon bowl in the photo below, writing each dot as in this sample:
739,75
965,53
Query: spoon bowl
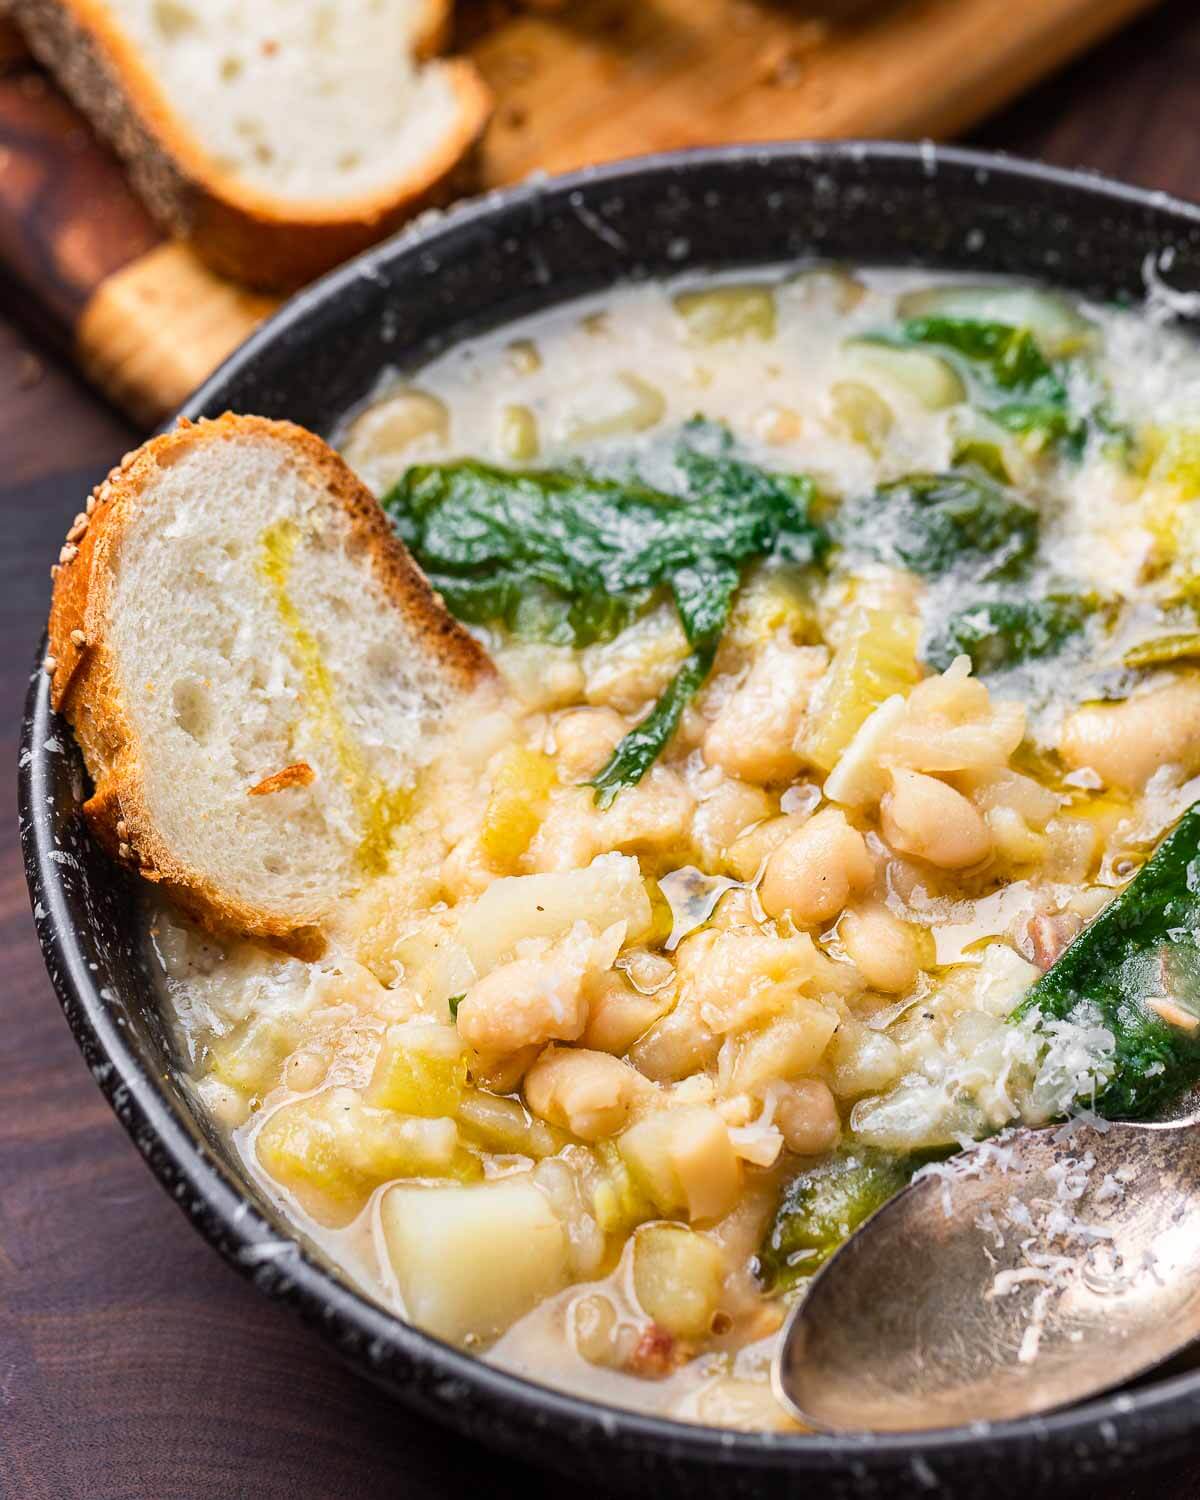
1030,1272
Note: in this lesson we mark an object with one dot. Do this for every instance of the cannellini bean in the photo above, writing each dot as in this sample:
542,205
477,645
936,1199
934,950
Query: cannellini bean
816,870
535,998
807,1116
1125,743
618,1014
731,809
596,1330
588,1093
585,738
884,949
754,734
746,854
926,818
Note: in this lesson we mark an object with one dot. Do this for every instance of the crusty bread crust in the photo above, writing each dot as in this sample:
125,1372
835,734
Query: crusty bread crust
85,683
241,232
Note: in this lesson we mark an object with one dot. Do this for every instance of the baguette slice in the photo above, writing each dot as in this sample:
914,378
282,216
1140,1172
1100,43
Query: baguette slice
279,137
256,671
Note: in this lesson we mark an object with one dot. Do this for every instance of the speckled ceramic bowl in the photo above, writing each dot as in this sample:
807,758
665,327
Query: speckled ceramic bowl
447,278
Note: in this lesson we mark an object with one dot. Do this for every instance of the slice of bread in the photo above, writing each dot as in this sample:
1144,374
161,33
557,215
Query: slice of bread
256,670
279,137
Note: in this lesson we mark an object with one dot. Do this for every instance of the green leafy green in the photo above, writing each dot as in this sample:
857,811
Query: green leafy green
454,1002
822,1207
1002,633
1026,393
570,557
1144,944
933,523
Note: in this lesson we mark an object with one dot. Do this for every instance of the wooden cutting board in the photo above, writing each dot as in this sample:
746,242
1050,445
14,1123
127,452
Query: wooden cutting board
576,83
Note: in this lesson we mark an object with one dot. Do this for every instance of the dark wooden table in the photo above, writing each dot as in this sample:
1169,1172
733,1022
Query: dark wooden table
133,1364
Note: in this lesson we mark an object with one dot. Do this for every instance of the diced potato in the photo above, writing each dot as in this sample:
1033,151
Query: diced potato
331,1151
587,1093
678,1277
421,1070
877,658
609,890
727,312
499,1124
684,1161
521,786
932,381
470,1261
250,1058
434,963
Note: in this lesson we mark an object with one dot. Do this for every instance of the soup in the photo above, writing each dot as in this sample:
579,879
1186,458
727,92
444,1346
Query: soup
846,626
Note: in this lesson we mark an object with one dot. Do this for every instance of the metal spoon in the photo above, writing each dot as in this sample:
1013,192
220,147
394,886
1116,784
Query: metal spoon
1030,1272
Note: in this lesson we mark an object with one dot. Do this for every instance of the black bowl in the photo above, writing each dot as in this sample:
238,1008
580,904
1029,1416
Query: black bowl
448,278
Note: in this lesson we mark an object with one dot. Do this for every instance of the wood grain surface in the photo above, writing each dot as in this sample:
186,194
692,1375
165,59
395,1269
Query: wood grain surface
575,84
133,1364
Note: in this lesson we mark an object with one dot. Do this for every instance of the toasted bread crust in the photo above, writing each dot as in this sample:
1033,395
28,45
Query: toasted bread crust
85,683
248,235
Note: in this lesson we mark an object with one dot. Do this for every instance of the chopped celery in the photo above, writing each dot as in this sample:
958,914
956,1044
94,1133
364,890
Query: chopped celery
877,658
727,312
516,803
250,1058
331,1151
421,1070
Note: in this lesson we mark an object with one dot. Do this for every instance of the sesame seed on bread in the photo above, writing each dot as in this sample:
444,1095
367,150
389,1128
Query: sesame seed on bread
255,669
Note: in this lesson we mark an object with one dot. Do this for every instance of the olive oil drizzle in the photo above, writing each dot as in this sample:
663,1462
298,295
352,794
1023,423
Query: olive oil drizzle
379,807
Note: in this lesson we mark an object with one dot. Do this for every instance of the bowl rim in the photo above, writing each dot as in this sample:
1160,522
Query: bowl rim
362,1330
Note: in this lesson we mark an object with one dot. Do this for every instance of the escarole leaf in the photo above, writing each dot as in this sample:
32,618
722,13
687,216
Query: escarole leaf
933,523
1136,972
1024,392
570,557
1001,633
